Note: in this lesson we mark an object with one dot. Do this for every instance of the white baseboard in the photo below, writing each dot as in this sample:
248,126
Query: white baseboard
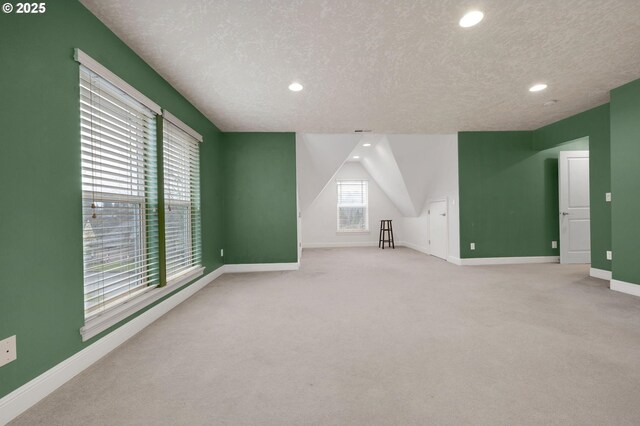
625,287
338,244
27,395
600,273
454,260
509,260
415,247
260,267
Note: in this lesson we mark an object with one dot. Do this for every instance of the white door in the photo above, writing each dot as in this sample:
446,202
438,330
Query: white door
575,234
438,235
299,214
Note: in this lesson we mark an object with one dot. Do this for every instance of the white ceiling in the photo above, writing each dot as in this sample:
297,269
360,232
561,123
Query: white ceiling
393,66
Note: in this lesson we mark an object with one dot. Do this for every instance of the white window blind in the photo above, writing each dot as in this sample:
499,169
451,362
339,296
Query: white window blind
353,205
182,200
119,195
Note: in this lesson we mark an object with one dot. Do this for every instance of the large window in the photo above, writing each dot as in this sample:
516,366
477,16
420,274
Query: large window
353,205
127,251
181,200
119,194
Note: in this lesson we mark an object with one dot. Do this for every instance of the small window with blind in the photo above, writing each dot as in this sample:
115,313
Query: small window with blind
181,199
353,205
119,195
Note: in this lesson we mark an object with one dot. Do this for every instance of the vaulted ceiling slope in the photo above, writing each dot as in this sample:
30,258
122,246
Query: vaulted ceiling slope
393,66
318,158
408,168
383,167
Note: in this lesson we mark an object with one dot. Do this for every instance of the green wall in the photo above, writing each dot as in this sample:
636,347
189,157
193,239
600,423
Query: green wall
260,198
509,187
593,123
625,181
41,282
508,194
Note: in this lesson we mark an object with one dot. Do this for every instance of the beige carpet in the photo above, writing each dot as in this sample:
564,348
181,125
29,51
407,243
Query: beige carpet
370,337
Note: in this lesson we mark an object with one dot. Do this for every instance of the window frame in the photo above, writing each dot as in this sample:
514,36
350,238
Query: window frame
140,289
147,295
118,140
191,207
364,205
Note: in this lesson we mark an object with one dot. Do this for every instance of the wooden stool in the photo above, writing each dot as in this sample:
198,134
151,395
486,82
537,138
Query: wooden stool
386,226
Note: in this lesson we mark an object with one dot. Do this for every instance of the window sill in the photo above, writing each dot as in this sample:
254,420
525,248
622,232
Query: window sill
112,316
353,232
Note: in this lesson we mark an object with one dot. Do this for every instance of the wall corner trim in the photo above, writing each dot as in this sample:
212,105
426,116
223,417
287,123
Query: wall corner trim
600,273
236,268
27,395
508,260
625,287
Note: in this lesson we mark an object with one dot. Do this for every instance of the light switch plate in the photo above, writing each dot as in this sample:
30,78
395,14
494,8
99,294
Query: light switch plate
7,350
609,255
473,246
554,244
221,252
607,197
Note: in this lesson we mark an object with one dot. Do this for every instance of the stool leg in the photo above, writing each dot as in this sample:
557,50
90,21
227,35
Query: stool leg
387,240
391,236
380,235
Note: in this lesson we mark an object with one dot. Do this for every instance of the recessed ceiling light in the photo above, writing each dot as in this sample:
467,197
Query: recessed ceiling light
537,87
355,157
366,144
295,87
551,102
471,18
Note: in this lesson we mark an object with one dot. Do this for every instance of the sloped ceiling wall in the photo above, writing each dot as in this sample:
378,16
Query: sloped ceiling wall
381,164
408,168
318,158
423,161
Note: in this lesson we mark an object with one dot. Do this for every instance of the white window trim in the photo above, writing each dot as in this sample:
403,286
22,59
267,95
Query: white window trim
181,125
103,72
110,317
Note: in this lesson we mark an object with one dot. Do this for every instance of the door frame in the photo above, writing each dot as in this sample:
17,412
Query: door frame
446,206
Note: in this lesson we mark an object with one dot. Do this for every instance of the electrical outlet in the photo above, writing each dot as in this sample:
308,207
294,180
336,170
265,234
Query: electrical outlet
7,350
607,197
221,252
554,244
473,246
609,255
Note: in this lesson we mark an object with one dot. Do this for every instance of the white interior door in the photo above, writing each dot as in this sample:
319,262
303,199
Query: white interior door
438,235
575,234
299,229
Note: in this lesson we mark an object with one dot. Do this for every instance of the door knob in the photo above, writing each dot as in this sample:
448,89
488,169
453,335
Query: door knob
443,214
565,214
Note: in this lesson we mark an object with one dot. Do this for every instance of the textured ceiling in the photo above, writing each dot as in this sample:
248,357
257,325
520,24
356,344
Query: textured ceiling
387,65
